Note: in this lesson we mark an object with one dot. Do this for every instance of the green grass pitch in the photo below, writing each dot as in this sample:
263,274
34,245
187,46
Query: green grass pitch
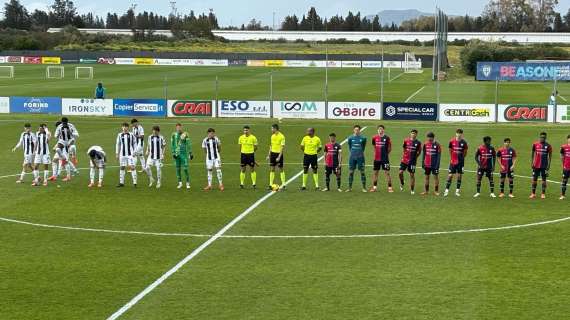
251,83
50,273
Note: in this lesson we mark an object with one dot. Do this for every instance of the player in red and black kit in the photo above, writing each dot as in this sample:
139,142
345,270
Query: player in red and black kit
412,150
565,157
333,161
507,157
541,158
485,156
458,150
382,148
431,160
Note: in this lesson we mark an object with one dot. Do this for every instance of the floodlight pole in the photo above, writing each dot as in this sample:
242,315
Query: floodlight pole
271,93
217,85
382,84
497,99
555,93
326,83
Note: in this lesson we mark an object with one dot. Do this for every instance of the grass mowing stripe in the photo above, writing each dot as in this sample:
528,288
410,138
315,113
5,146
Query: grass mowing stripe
203,246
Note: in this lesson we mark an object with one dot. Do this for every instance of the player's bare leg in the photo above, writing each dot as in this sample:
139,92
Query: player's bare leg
563,188
436,184
534,184
389,181
375,175
401,176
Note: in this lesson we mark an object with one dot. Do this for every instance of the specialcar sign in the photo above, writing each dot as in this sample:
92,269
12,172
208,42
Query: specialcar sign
190,108
410,111
299,109
354,110
524,113
244,109
4,105
467,112
523,71
87,107
139,107
35,105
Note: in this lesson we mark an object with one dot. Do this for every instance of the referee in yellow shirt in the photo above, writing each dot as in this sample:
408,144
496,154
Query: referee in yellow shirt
275,155
311,146
248,144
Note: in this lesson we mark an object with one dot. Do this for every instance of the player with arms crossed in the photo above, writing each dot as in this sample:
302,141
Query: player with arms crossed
311,145
248,147
486,157
275,156
412,151
212,146
565,158
458,150
138,132
41,155
27,142
155,153
430,162
125,154
181,148
97,160
356,146
507,157
382,148
67,134
333,162
541,156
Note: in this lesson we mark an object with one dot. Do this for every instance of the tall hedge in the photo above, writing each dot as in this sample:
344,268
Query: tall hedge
482,51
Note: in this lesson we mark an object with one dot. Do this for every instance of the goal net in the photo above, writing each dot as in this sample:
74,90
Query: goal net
84,73
6,72
55,72
411,64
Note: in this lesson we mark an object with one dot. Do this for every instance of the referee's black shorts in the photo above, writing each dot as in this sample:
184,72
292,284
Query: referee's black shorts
310,161
248,159
273,160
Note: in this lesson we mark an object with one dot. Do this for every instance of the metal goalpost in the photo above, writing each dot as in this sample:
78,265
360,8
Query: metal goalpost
52,74
9,74
83,73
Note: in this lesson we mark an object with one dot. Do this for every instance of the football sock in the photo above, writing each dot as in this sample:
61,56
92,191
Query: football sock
241,178
254,178
22,174
92,175
338,182
564,186
492,184
543,187
271,178
158,173
305,176
511,185
187,175
134,176
219,174
54,168
350,179
401,175
459,184
426,186
122,176
478,186
412,185
363,179
72,166
534,183
46,174
101,174
316,179
283,180
36,175
209,178
448,184
179,174
68,169
143,164
328,180
502,185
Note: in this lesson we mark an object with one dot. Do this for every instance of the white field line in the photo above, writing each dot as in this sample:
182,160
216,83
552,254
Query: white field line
325,236
561,97
396,77
415,94
203,246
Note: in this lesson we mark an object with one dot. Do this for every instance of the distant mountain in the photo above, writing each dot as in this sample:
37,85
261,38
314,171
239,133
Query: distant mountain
398,16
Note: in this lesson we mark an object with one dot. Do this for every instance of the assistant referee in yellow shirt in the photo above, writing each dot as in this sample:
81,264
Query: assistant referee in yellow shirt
311,146
275,155
248,144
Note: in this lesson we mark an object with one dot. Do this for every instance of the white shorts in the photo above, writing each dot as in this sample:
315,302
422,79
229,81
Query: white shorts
211,164
72,149
42,159
154,163
139,151
98,163
127,161
28,159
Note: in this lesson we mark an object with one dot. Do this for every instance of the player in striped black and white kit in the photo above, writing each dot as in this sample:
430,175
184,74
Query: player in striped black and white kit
138,132
97,160
212,148
66,133
155,153
42,155
63,159
125,153
27,142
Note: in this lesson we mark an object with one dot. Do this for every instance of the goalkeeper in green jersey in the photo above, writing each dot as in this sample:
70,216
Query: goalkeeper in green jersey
181,151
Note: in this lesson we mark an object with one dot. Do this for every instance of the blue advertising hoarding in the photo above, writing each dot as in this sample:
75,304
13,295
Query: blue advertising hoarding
523,71
139,107
410,111
35,105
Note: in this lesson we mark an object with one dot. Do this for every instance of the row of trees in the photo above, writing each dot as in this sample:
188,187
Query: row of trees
313,22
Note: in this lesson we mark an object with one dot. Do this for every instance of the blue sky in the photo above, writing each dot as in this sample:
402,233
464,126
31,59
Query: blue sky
237,12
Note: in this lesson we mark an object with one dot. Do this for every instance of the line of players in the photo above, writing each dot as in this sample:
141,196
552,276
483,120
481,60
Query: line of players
130,144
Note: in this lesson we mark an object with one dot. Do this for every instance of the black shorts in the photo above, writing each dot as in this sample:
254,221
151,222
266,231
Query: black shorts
248,159
485,172
537,172
311,161
411,168
509,174
273,160
381,165
430,171
566,174
456,168
331,170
